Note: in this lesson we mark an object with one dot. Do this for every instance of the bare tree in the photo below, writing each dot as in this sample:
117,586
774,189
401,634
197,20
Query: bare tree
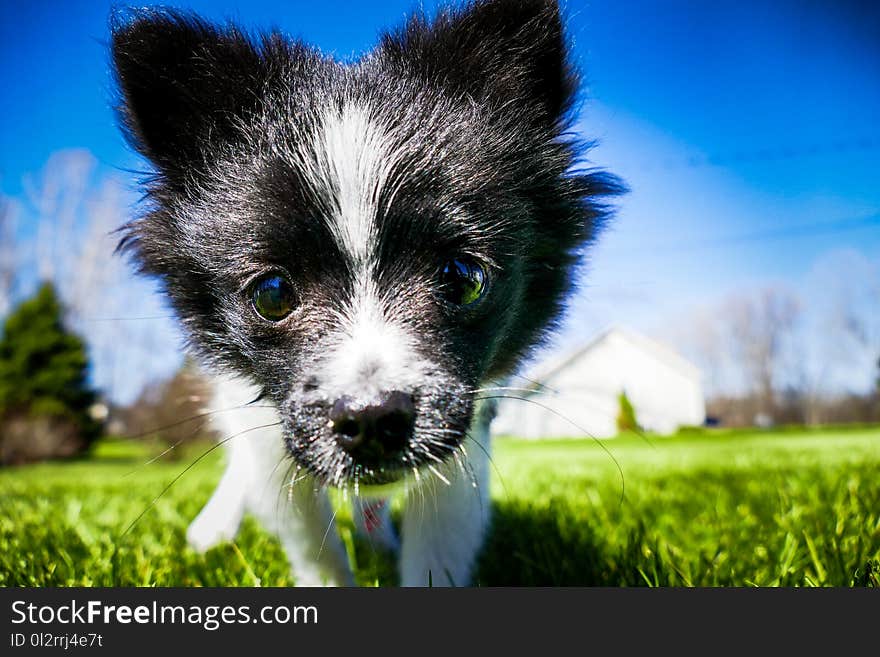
764,352
76,210
170,412
760,331
702,339
858,316
846,314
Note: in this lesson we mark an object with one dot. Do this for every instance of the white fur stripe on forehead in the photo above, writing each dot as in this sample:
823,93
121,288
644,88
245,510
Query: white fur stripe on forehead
355,158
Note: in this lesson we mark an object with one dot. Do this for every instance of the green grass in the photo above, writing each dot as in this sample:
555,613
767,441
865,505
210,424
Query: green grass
790,508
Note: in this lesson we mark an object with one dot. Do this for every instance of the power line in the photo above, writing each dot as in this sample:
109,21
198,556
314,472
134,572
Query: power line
844,146
786,232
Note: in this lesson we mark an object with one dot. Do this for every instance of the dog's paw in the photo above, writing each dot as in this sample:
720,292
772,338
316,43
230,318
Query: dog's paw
202,535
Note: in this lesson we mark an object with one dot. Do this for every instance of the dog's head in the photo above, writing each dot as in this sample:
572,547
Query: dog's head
368,241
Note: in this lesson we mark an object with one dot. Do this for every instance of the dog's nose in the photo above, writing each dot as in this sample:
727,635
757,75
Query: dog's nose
377,427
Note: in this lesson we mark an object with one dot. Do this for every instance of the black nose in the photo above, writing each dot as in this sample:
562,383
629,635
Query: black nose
376,428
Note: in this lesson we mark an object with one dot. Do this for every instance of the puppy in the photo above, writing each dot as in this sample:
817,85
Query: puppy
359,252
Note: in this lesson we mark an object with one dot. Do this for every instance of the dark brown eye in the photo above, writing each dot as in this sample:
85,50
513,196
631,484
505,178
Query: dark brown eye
463,281
273,297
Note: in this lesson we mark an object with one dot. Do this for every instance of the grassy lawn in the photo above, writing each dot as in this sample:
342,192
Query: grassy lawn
789,508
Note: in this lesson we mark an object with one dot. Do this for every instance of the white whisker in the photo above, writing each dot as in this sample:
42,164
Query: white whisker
438,475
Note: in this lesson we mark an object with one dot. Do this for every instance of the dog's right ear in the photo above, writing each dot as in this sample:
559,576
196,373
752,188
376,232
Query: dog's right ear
510,54
183,83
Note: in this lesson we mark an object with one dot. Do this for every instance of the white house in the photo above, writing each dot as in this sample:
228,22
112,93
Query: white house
578,394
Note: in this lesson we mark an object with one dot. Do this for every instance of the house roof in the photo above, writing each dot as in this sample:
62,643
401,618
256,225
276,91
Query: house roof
549,368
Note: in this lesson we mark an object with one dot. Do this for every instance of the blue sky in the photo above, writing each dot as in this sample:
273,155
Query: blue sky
747,131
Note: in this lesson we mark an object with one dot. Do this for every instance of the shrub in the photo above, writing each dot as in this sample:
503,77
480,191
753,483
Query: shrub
626,416
171,413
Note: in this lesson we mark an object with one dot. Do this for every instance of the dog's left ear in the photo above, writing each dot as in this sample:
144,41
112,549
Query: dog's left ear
184,82
504,53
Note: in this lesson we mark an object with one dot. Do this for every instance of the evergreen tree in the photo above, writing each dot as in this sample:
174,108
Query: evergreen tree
44,367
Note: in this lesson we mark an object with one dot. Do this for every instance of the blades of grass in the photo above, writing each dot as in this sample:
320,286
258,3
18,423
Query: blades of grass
579,428
188,468
646,578
787,558
814,555
247,567
347,537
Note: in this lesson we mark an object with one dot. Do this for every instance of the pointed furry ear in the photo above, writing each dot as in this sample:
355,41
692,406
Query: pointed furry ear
497,51
182,82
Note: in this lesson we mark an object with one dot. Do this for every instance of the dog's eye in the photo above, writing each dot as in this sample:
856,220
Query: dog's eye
463,281
273,297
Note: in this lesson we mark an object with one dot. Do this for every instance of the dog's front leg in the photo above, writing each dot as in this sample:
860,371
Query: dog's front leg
447,514
305,523
219,519
297,509
257,480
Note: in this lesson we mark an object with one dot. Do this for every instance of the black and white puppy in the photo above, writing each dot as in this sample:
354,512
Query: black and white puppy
363,246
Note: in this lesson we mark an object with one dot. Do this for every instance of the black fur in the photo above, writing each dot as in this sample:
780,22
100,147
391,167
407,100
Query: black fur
477,104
